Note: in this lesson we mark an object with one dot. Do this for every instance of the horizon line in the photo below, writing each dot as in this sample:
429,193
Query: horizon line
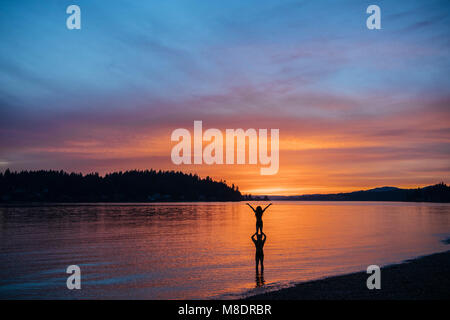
2,171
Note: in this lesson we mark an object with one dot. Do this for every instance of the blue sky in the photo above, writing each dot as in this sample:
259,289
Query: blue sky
169,48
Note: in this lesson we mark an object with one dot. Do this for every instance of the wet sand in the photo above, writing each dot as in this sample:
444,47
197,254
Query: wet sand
425,278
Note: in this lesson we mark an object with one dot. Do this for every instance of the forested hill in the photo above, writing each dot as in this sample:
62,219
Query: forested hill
436,193
128,186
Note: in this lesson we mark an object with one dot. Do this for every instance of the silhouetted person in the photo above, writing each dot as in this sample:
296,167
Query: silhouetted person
258,214
259,245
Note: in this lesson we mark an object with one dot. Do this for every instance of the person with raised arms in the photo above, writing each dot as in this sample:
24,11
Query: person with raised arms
258,215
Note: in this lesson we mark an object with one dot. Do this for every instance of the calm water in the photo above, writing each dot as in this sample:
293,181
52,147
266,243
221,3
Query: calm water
203,250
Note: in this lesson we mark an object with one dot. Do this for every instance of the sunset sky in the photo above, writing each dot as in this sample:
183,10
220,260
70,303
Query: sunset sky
356,108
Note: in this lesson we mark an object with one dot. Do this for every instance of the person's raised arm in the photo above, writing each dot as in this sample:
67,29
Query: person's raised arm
250,206
253,239
267,207
264,237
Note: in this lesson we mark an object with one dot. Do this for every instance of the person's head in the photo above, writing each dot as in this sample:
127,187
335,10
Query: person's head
258,209
259,236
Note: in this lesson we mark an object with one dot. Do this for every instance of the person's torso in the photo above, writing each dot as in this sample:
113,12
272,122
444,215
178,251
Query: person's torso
259,244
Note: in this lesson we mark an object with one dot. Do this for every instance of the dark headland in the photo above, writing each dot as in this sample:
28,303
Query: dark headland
122,186
424,278
436,193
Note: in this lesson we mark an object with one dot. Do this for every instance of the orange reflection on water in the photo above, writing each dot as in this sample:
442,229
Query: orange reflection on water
204,250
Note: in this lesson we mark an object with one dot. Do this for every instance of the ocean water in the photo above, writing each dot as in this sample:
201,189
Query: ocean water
203,250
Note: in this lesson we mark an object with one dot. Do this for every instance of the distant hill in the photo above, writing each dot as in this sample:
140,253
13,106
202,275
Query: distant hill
383,189
128,186
436,193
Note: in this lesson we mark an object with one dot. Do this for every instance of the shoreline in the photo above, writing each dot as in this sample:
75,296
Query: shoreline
112,203
422,278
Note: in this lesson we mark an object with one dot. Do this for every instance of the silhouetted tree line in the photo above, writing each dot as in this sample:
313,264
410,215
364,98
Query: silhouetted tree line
436,193
128,186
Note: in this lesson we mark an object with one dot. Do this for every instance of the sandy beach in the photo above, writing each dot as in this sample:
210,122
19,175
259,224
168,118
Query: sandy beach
423,278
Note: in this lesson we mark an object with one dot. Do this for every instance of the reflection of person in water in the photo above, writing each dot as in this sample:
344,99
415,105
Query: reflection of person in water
259,279
258,214
259,245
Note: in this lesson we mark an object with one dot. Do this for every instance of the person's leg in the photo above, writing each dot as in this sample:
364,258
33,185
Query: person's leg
259,226
261,259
